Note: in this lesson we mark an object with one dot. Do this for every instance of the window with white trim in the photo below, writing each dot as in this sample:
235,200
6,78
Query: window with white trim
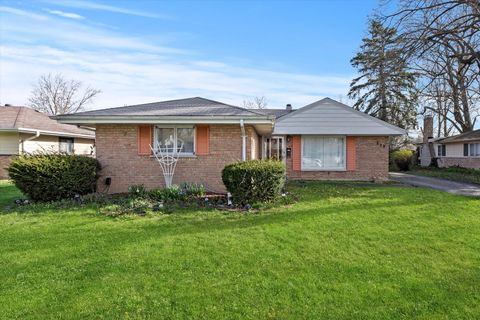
474,149
323,153
65,145
176,137
442,150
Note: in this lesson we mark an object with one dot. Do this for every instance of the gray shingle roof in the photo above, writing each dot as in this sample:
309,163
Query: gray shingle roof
182,107
463,137
330,117
15,118
274,112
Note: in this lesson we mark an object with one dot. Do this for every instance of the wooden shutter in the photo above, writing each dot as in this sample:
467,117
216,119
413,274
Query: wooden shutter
465,149
144,139
351,153
296,153
202,144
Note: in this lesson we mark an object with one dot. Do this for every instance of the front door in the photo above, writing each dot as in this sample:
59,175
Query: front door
274,148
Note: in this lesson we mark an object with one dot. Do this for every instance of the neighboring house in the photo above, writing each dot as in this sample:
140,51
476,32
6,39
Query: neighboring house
324,140
24,130
461,150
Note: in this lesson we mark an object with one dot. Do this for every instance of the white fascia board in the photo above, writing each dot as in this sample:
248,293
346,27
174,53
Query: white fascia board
333,133
57,133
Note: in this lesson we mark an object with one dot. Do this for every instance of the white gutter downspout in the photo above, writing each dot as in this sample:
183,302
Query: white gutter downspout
244,141
37,134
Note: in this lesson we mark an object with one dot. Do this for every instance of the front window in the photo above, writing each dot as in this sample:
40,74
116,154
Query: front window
65,145
474,149
175,137
323,153
442,150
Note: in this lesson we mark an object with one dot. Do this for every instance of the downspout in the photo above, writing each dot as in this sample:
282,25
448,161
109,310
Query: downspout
244,140
37,134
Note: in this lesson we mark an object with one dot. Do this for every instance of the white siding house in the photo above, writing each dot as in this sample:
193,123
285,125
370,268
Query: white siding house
23,130
462,150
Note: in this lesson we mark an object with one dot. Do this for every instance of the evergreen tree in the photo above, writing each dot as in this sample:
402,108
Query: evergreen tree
385,88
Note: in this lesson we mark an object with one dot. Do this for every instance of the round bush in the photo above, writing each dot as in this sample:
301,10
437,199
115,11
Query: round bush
402,159
254,181
48,177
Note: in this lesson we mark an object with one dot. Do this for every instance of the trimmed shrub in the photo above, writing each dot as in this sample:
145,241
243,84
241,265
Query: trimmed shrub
402,159
254,181
50,177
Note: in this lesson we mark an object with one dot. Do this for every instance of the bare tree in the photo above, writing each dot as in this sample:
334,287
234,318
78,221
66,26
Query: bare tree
450,89
256,103
56,95
443,39
428,23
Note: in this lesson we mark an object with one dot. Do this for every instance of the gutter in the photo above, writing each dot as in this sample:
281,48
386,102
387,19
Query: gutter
50,133
244,140
35,136
58,133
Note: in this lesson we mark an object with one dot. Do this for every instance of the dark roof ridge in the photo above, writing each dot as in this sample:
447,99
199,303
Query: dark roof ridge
230,105
192,106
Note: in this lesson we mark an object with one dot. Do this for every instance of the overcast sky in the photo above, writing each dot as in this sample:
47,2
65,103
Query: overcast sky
144,51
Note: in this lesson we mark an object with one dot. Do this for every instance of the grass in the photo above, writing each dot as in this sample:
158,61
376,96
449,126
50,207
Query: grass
453,173
8,193
342,252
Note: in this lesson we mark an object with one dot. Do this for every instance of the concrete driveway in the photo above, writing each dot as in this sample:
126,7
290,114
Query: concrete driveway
461,188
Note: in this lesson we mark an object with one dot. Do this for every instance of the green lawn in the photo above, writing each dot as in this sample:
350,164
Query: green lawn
8,194
453,173
341,252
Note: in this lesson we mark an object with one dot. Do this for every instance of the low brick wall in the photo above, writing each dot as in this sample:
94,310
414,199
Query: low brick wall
4,162
464,162
116,147
371,163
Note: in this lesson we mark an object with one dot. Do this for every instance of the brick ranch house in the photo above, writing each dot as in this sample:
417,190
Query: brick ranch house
324,140
24,130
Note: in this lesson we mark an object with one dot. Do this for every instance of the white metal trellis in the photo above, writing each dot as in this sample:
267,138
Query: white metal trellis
167,156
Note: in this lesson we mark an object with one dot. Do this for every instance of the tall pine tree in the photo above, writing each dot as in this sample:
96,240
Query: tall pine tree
385,88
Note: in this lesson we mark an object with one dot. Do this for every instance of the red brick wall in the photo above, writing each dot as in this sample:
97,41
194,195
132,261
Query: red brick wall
371,163
4,162
117,151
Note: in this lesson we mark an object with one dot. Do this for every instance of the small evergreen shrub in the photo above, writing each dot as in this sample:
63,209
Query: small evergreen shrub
173,193
50,177
254,181
402,159
193,189
156,194
137,191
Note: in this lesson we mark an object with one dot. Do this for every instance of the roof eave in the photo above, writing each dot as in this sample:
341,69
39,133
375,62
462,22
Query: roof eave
49,133
460,141
369,134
